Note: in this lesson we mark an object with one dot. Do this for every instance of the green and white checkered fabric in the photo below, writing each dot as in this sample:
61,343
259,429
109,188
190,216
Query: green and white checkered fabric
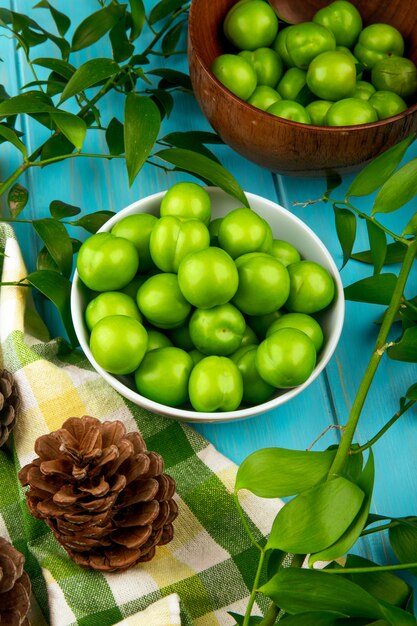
207,568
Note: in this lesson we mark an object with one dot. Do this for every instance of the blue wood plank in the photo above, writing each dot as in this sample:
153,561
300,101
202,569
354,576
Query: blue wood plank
97,184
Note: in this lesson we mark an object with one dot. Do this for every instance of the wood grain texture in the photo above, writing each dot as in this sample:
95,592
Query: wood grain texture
94,184
278,144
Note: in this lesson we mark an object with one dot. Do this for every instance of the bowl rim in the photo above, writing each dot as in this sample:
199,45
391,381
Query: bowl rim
189,415
356,128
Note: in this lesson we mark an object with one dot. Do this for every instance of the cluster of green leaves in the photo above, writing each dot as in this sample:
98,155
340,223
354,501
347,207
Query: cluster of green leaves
136,138
330,492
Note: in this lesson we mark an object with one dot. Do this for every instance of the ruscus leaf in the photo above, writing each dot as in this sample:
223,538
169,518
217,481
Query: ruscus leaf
17,199
10,136
56,288
411,392
142,122
346,231
163,100
96,25
60,210
121,46
277,472
320,592
171,38
253,620
61,20
376,173
406,348
317,518
57,241
318,618
29,102
71,126
403,541
376,289
378,245
137,11
205,168
114,137
174,77
93,221
163,9
63,68
87,75
395,254
351,535
399,189
411,228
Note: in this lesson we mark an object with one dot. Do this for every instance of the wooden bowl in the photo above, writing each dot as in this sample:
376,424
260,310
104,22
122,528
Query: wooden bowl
281,145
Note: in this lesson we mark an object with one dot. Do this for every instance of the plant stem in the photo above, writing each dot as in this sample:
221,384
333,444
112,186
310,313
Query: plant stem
274,610
346,441
377,568
369,218
73,156
245,523
9,181
394,522
254,589
384,429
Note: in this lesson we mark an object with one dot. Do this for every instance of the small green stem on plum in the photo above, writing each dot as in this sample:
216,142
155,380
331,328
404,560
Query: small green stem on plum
384,429
344,449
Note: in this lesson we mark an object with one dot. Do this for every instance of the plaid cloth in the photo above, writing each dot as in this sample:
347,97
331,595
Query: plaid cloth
210,564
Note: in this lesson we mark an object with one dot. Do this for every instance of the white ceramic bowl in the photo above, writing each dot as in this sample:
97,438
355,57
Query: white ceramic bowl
284,226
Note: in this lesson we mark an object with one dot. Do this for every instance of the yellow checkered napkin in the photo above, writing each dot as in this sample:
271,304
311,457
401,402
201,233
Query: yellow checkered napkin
194,580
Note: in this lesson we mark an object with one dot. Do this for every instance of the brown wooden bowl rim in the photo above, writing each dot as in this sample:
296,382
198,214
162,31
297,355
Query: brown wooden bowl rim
269,116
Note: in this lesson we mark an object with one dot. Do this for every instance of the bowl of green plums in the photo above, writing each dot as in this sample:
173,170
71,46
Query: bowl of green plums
194,307
306,88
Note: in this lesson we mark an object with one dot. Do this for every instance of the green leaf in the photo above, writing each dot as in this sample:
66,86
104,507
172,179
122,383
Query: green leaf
406,348
411,228
320,592
96,25
399,189
317,518
10,136
382,585
199,136
73,127
378,245
31,38
57,241
87,75
345,221
276,560
174,77
403,541
61,20
379,170
57,145
44,261
163,100
142,122
333,181
63,68
114,137
318,618
137,11
56,288
171,38
121,46
374,289
60,210
163,9
411,392
352,534
205,168
29,102
395,254
93,221
253,620
191,141
17,199
277,472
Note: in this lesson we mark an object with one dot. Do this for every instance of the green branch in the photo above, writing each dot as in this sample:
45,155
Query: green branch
344,448
384,429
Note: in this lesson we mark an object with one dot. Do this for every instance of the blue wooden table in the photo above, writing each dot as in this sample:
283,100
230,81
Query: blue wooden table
98,184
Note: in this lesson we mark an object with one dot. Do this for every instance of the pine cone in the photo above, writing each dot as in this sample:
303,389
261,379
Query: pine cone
9,404
14,587
104,496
